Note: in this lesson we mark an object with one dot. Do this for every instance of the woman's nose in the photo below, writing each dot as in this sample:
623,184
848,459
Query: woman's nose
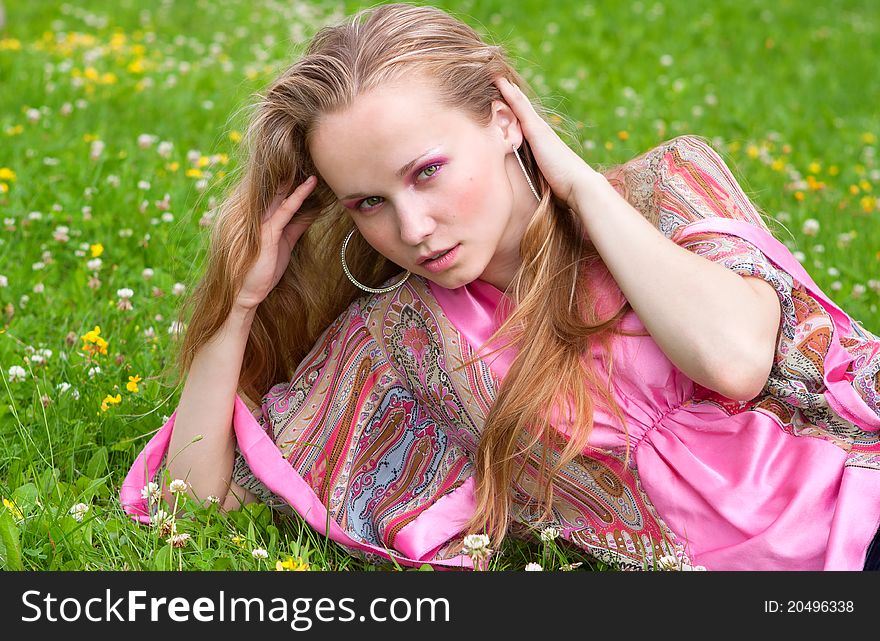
415,221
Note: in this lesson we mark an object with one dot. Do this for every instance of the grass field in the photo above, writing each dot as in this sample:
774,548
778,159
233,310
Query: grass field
120,119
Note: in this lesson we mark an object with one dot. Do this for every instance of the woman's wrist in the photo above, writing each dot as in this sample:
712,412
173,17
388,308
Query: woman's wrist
589,191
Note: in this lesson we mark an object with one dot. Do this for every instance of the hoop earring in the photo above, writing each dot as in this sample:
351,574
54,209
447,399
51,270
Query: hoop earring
371,290
525,173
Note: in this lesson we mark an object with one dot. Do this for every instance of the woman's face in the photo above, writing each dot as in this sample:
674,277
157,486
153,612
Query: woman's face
420,178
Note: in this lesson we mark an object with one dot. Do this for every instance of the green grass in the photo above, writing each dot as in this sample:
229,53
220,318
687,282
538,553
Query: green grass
784,92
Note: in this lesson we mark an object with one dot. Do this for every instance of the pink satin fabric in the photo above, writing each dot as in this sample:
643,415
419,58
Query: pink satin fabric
743,493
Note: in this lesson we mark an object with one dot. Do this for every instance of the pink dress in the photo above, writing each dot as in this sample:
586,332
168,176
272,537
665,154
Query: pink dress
372,439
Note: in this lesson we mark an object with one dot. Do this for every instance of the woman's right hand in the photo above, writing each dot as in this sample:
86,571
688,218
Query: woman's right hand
278,236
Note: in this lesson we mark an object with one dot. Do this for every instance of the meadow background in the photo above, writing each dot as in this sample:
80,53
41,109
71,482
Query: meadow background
120,119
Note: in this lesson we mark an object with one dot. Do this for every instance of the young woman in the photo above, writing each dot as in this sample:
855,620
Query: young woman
631,357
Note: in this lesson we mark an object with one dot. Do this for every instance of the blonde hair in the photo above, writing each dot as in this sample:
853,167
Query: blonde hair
553,324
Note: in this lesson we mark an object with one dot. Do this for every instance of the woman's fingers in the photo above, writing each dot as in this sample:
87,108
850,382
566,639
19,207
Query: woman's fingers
530,121
287,207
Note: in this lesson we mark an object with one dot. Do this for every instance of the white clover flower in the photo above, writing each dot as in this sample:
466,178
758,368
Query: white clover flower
799,256
167,217
38,266
147,274
810,227
143,185
63,387
874,285
150,492
259,553
126,232
201,185
178,288
94,371
858,290
17,373
125,292
35,215
534,567
94,264
476,546
96,149
213,499
39,359
33,115
4,282
178,486
192,156
61,234
78,511
66,109
179,540
150,333
113,180
549,533
833,271
175,328
145,141
164,149
160,518
568,567
39,288
666,60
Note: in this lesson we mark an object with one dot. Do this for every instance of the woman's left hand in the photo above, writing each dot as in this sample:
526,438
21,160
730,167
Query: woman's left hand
566,172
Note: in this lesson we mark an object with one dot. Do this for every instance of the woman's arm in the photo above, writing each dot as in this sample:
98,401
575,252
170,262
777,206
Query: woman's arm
202,444
716,326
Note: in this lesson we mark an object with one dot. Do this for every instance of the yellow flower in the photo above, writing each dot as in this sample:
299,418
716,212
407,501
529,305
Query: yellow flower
108,78
778,165
136,66
814,167
117,40
291,565
799,195
194,173
14,130
623,135
235,136
854,189
172,166
97,249
89,137
10,44
6,173
833,170
132,384
110,400
98,344
868,138
753,151
203,161
223,159
609,145
868,203
865,185
91,73
4,188
13,509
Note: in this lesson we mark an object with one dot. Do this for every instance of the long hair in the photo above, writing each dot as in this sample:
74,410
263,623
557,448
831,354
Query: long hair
553,324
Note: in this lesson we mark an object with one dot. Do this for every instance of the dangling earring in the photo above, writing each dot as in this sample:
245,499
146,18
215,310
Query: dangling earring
525,173
372,290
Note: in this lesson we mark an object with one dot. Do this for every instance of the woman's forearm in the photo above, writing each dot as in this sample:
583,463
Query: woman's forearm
202,444
716,326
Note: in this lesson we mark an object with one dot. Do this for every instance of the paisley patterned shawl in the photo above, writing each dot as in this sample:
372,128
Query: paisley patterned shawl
372,439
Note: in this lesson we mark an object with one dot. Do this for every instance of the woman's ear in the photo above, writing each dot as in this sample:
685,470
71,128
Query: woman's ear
507,123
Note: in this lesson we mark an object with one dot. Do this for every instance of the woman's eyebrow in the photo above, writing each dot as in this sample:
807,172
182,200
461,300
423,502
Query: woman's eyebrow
400,172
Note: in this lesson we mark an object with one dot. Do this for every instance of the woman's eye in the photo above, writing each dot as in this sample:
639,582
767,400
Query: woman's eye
369,203
429,171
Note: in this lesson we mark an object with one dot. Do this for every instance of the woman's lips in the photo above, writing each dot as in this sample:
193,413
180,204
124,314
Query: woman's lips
441,262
